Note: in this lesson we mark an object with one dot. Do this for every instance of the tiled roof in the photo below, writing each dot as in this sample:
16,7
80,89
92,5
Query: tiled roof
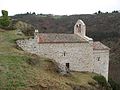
59,38
99,46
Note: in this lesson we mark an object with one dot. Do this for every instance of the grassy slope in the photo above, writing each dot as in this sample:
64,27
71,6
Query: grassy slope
22,71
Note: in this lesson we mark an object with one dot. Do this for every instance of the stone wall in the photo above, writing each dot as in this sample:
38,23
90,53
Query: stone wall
101,62
78,55
28,45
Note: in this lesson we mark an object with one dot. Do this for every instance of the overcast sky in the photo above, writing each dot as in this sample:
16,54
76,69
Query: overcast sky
59,7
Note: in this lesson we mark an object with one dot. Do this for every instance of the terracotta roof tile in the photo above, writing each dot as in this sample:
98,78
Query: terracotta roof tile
99,46
59,38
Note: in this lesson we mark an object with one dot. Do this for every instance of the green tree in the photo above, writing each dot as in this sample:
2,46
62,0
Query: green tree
4,20
5,13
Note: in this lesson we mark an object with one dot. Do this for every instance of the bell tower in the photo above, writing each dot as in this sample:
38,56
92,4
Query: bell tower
80,28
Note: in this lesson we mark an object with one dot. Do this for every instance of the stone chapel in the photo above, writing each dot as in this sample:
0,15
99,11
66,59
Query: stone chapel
74,51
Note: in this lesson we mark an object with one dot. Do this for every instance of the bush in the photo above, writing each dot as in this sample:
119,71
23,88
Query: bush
101,80
4,13
4,20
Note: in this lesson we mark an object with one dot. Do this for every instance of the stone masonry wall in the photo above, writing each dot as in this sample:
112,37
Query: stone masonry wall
101,62
78,55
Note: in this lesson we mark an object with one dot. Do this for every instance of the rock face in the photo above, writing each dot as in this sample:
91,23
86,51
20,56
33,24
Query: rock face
76,52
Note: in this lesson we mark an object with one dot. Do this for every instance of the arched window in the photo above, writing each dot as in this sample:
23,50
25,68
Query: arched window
78,26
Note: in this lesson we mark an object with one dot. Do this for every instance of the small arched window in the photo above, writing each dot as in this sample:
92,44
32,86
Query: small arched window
78,26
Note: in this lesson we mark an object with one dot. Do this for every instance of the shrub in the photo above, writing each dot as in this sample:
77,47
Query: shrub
101,80
4,20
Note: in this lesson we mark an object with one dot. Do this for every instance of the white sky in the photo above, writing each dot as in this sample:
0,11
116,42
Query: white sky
59,7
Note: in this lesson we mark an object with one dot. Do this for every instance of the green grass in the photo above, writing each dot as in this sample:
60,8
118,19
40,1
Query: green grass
11,59
23,71
12,73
